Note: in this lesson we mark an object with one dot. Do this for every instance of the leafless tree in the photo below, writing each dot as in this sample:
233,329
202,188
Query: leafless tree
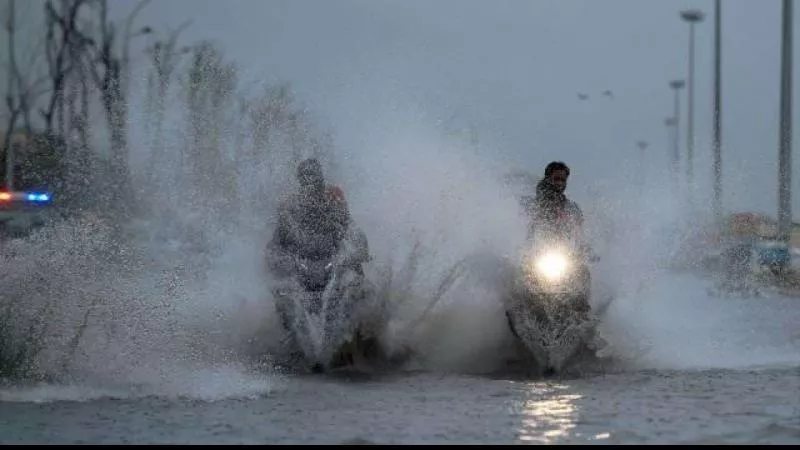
210,96
22,91
62,30
106,61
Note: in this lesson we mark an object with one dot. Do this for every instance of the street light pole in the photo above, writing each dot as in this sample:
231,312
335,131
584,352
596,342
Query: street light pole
717,109
642,173
692,16
671,124
785,144
676,86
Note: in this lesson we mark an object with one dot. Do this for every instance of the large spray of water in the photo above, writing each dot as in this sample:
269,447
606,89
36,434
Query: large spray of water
182,289
662,315
173,296
438,215
177,301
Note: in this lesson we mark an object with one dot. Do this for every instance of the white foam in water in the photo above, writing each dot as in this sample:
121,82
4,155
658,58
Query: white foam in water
46,393
207,384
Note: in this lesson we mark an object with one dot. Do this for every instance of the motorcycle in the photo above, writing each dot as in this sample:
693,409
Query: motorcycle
549,309
325,306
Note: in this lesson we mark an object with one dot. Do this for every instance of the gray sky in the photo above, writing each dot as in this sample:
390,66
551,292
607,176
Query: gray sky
513,68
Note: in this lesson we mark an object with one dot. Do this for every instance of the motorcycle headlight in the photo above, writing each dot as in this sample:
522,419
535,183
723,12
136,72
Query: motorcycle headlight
553,266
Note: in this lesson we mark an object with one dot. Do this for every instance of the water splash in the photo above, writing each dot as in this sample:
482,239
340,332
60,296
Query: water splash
662,316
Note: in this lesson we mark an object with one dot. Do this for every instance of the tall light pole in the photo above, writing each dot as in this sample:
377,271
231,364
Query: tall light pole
785,144
670,123
717,163
692,16
642,145
676,86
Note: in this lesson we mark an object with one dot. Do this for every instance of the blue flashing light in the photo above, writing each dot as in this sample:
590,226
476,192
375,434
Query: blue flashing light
38,197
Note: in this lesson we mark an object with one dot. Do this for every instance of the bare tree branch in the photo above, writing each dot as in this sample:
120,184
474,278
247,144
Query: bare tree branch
128,25
14,109
59,63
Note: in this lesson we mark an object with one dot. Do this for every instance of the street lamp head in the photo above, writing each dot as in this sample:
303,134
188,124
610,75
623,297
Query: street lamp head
677,84
669,121
642,145
692,15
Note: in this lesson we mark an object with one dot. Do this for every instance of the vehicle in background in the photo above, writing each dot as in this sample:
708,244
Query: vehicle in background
773,255
23,212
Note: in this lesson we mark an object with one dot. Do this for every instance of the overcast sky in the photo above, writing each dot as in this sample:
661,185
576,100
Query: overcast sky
513,68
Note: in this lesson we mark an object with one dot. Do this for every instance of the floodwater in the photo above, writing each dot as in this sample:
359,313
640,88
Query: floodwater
682,367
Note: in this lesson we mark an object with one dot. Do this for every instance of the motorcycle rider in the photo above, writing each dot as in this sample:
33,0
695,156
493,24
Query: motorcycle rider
313,222
553,215
551,208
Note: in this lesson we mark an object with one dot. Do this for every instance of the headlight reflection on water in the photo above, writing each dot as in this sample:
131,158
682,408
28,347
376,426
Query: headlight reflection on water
548,420
552,416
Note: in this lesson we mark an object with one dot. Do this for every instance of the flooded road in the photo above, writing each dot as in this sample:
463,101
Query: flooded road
687,368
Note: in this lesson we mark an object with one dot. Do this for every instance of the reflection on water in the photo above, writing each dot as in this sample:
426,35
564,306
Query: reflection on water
652,407
661,407
549,416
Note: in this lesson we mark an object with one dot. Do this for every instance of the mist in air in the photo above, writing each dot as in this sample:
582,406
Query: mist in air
421,116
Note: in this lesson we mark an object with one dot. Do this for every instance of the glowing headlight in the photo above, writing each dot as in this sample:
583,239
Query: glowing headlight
552,265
